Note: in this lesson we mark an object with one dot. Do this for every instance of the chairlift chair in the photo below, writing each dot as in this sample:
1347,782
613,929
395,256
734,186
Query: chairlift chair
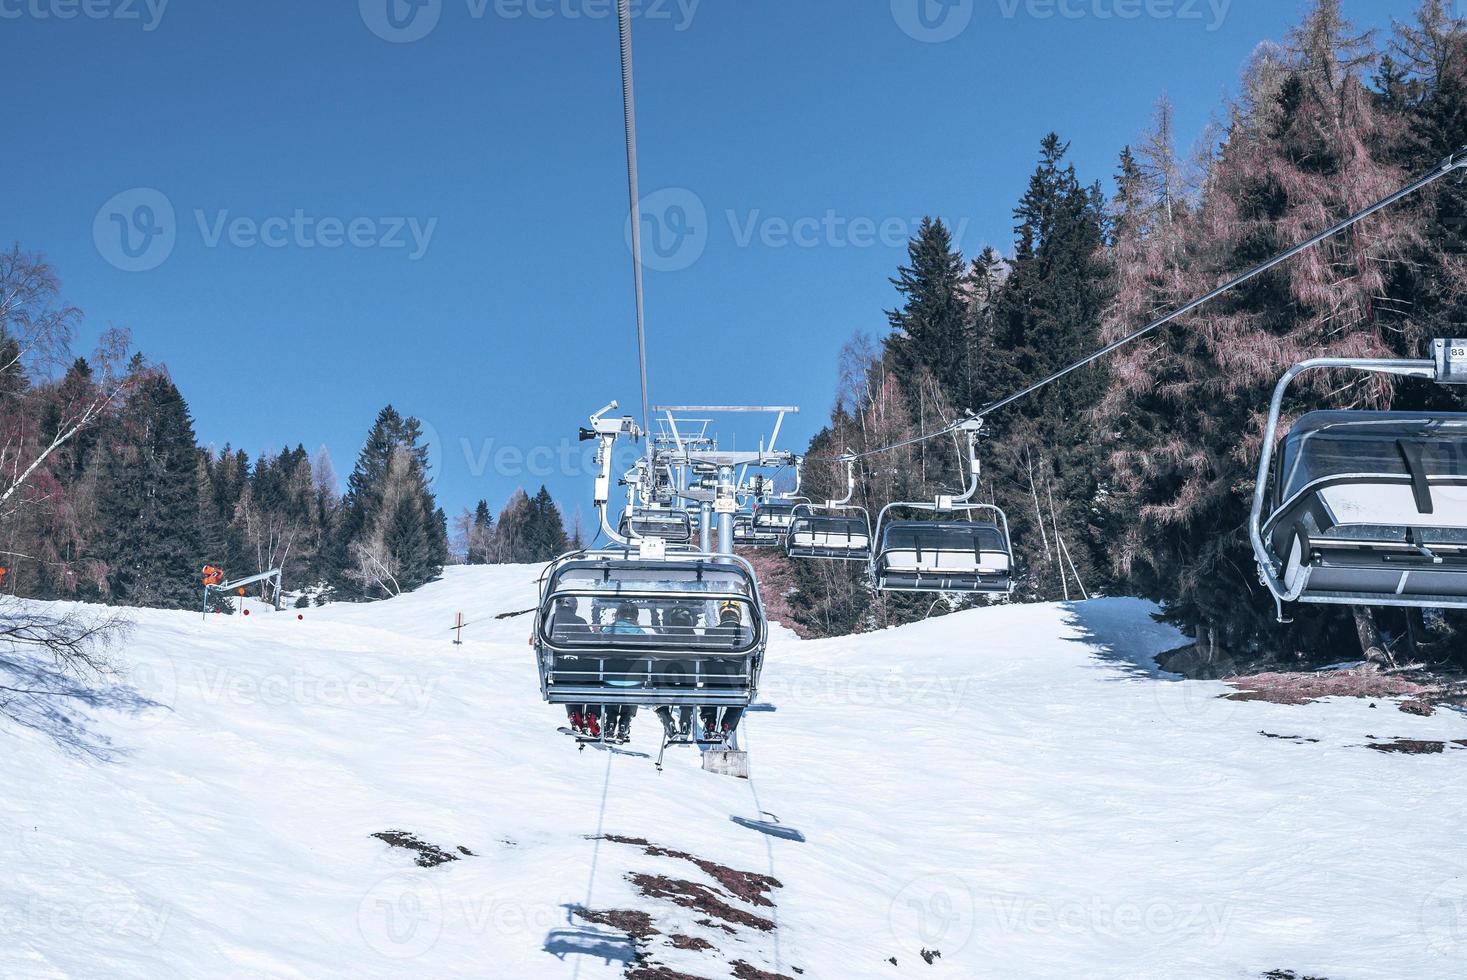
587,656
672,526
748,534
967,556
774,516
1366,507
956,554
836,530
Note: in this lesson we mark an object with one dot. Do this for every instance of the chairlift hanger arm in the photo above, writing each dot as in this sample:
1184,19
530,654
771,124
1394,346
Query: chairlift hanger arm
1456,161
1428,369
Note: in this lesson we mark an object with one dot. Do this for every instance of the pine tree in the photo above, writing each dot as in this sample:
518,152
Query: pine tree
150,503
391,536
930,332
1046,314
513,536
479,535
547,536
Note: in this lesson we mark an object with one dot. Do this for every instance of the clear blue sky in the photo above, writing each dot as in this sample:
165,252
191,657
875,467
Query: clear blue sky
499,134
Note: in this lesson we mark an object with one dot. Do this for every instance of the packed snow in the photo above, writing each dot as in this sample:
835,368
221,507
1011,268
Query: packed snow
1018,789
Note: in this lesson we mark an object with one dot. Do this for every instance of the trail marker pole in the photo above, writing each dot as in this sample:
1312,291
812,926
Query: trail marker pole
458,626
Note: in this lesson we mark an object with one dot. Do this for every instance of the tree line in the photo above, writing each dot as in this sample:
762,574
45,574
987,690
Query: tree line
110,498
1135,475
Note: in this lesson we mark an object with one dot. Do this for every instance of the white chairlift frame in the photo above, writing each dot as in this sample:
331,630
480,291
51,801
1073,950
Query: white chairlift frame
948,505
1448,365
842,505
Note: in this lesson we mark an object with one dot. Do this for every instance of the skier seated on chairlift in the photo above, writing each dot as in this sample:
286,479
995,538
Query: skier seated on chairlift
568,624
618,717
680,620
731,624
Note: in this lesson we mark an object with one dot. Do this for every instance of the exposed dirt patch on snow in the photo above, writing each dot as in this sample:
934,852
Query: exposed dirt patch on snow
1290,738
1413,746
637,925
748,885
725,904
428,855
659,973
689,942
744,971
697,897
1296,689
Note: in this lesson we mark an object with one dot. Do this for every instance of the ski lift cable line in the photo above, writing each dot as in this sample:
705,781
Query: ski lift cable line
1457,161
629,114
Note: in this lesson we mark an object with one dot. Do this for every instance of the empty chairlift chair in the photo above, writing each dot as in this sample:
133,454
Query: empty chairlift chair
1366,508
772,517
748,534
944,556
834,531
672,526
841,536
953,552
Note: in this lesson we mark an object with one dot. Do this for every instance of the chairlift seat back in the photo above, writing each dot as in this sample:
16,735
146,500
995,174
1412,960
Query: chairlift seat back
946,556
1370,508
774,515
839,537
673,526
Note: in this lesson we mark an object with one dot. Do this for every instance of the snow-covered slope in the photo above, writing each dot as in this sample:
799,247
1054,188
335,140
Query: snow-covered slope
1016,788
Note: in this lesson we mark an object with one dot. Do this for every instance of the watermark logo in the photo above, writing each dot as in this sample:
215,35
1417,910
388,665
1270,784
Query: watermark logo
401,917
674,229
677,227
156,683
1444,918
136,230
1194,706
148,13
130,920
404,21
1213,13
932,21
1199,922
933,912
401,21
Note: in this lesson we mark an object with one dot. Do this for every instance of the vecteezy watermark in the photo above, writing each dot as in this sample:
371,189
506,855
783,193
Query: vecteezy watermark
230,685
933,912
138,229
301,230
932,21
677,229
674,226
147,13
1444,918
404,915
1212,13
401,917
127,918
405,21
1199,922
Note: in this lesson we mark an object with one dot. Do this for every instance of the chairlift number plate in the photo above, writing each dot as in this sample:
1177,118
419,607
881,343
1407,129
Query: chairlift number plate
1451,361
